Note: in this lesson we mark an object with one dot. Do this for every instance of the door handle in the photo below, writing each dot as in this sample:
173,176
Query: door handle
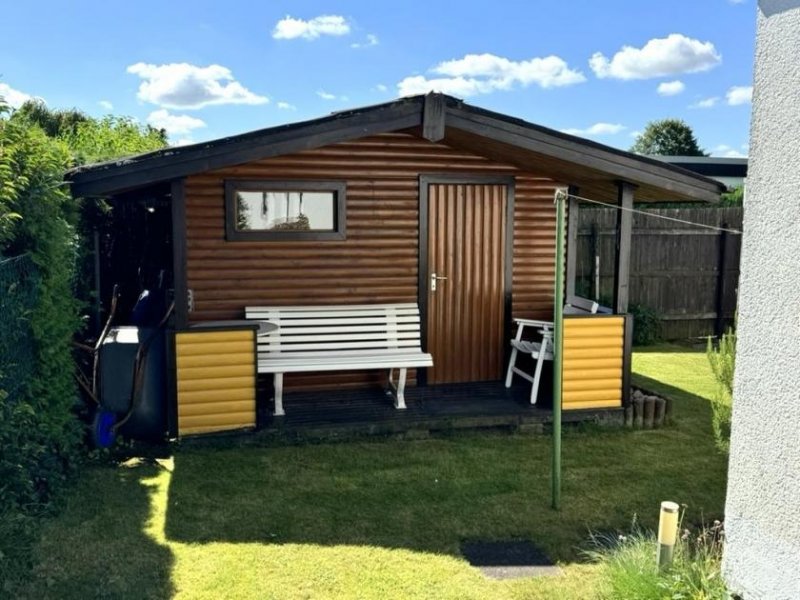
434,279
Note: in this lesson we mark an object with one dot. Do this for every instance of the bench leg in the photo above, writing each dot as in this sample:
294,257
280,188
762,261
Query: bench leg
399,395
278,383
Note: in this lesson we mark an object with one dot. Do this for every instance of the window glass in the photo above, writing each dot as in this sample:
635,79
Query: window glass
265,210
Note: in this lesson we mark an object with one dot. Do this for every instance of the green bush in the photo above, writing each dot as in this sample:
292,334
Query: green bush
646,325
629,570
722,359
40,433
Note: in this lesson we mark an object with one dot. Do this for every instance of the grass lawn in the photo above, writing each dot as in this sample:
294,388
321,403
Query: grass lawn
377,519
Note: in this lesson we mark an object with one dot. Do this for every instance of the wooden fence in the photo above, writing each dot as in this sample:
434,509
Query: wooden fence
688,275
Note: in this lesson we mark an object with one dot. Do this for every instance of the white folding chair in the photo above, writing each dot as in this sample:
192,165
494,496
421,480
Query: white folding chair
539,351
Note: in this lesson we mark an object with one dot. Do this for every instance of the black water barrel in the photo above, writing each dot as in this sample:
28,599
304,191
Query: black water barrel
116,361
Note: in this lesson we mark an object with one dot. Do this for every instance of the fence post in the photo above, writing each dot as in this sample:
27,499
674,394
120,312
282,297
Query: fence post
595,263
719,301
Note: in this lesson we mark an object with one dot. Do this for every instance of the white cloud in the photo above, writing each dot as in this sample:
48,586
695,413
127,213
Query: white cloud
737,1
14,98
174,124
659,57
597,129
328,96
635,134
381,88
286,106
372,40
105,105
181,85
290,28
484,73
727,152
705,102
670,88
740,94
183,142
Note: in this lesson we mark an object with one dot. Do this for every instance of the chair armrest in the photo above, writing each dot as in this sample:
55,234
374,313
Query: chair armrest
534,323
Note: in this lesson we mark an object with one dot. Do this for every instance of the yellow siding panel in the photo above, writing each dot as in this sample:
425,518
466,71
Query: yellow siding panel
209,409
216,381
207,337
592,342
581,364
216,348
572,324
221,422
593,394
592,374
197,430
591,353
217,395
609,403
612,332
593,362
592,383
186,374
213,360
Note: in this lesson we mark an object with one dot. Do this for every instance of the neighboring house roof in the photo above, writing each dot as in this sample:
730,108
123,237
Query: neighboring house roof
710,166
593,167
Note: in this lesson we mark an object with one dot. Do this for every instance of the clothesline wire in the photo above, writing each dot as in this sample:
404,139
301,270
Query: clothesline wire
648,213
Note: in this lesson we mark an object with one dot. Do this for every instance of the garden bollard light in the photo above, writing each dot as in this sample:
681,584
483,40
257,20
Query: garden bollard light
667,534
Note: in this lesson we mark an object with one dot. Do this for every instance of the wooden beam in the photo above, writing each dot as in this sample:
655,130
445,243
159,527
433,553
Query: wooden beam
433,117
179,285
172,163
577,153
572,239
622,259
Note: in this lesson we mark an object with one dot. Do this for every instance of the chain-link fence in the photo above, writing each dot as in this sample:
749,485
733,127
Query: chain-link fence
19,282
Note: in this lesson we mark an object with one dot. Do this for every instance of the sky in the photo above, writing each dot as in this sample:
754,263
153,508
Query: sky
206,69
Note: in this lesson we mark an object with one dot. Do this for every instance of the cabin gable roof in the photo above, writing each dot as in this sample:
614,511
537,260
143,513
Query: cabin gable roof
592,166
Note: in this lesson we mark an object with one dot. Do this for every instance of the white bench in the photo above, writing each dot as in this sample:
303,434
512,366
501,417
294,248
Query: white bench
340,338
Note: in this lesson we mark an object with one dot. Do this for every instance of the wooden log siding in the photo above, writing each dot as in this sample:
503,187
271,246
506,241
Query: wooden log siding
377,263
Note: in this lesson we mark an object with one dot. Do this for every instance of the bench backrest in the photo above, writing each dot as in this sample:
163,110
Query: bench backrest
322,330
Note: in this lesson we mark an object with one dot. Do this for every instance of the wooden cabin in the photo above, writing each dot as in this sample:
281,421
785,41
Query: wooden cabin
371,206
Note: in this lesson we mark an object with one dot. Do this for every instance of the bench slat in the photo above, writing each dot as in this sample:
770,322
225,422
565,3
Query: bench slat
331,315
334,308
424,360
377,353
289,323
375,327
342,345
323,336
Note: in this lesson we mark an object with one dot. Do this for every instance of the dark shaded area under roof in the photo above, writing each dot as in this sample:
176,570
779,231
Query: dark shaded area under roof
593,167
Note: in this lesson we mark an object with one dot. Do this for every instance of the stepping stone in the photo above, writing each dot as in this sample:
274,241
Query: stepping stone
510,559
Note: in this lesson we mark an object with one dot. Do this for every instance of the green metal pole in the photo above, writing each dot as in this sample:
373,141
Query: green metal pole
558,322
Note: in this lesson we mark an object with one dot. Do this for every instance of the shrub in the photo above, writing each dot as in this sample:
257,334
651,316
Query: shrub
646,325
722,359
629,570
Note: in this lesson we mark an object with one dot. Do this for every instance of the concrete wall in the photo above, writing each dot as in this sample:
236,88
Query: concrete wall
762,555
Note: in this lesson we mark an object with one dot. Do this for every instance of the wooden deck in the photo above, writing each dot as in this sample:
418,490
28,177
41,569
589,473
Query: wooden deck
341,413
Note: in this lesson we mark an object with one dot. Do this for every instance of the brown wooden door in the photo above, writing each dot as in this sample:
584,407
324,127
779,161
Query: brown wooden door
466,311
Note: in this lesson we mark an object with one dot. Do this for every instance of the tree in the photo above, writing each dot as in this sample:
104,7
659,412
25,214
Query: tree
90,139
667,137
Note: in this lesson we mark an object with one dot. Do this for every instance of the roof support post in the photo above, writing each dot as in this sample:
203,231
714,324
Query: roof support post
622,259
179,282
433,116
572,239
